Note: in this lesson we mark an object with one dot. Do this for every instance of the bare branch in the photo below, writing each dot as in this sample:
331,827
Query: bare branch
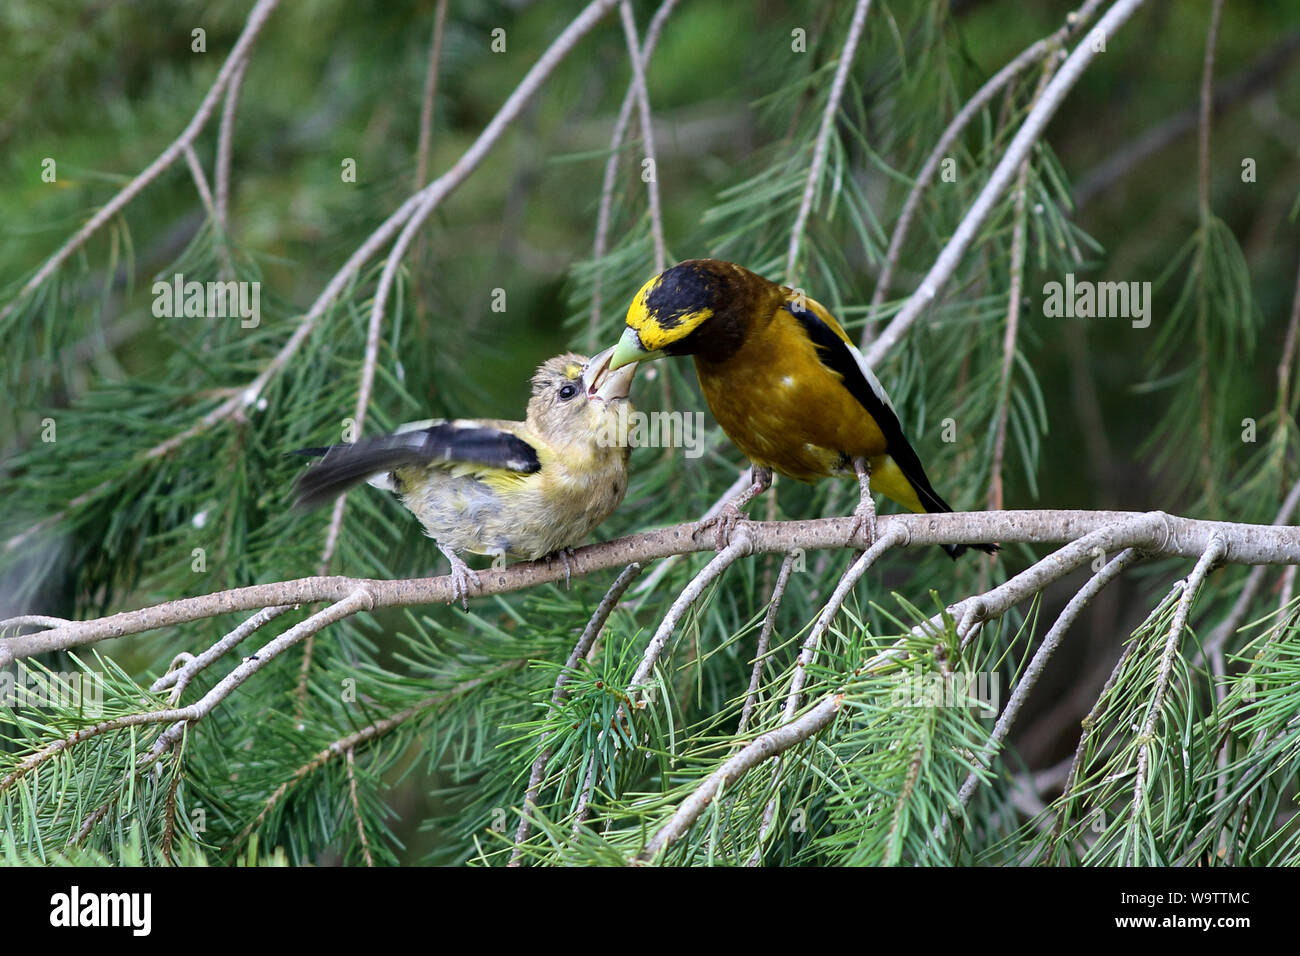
256,20
1030,132
824,136
647,131
1153,532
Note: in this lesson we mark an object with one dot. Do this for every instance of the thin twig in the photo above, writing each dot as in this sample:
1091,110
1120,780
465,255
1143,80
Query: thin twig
739,547
603,215
647,132
356,811
824,135
585,643
1216,549
768,745
1207,101
225,147
252,26
886,540
1018,230
181,676
200,182
1030,132
430,90
764,639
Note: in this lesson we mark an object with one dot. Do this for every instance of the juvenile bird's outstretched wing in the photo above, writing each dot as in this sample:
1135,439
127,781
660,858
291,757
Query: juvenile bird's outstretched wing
454,444
837,353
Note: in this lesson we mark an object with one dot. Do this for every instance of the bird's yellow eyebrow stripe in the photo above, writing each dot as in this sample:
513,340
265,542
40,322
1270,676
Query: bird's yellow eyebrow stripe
573,371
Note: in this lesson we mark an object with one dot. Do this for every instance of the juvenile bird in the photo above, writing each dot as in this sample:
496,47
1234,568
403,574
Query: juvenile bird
784,382
517,489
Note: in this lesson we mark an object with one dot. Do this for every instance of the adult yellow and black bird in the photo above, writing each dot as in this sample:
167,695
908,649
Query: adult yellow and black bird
784,382
518,489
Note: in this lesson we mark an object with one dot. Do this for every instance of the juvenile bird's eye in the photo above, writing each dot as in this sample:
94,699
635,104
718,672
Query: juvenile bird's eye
567,391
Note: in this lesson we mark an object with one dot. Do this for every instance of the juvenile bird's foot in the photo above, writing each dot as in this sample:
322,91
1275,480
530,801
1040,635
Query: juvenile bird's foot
565,555
864,515
463,578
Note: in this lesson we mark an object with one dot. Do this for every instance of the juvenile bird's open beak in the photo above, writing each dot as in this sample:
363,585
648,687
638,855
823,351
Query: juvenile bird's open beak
629,350
606,381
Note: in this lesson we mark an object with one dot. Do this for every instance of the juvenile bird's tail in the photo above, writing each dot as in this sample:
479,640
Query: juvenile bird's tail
420,443
344,466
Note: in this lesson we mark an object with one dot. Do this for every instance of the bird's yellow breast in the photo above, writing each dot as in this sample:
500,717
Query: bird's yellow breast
783,408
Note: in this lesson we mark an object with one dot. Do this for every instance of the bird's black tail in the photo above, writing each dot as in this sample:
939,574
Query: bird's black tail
344,466
441,442
911,468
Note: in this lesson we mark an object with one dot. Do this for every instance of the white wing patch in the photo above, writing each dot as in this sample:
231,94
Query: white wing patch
870,376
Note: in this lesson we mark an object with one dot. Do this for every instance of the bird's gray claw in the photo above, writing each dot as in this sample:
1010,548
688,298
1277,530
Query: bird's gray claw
564,554
463,579
864,518
724,523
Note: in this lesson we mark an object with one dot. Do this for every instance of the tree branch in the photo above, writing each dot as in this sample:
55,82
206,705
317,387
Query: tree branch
1030,132
1153,532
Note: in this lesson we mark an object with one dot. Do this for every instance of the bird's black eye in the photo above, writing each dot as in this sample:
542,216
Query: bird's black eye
567,391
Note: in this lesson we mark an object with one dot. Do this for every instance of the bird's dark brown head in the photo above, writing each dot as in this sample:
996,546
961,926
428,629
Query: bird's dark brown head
700,307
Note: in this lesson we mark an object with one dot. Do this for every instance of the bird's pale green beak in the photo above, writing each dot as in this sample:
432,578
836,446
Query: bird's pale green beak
629,350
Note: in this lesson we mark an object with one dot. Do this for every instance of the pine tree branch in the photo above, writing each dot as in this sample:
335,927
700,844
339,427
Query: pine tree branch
585,643
768,745
1156,533
1213,553
1030,132
1030,55
603,215
1051,641
647,131
824,136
